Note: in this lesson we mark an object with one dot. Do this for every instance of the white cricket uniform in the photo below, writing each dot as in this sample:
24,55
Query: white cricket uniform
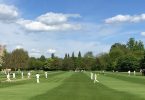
14,76
129,72
22,74
134,72
37,77
45,74
95,78
91,76
8,77
29,74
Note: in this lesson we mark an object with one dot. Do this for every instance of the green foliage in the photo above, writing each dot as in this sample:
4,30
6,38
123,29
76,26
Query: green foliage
18,59
35,64
128,62
7,62
89,55
142,62
120,57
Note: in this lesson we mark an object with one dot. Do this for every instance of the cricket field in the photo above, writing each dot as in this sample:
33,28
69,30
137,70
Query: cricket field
74,86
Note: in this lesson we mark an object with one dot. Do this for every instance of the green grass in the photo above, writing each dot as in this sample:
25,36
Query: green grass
75,86
79,87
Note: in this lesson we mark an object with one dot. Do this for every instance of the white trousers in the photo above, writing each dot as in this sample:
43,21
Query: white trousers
46,76
37,80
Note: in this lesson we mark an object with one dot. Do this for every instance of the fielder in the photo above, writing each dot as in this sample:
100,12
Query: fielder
134,72
22,74
14,75
29,74
8,77
37,77
92,76
45,74
95,78
129,72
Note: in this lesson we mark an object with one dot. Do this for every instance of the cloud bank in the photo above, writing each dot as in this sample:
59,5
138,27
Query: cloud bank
125,18
8,13
44,23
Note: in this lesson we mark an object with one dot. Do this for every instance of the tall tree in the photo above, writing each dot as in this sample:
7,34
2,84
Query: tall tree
142,62
52,55
79,55
89,54
73,55
42,58
131,43
140,46
19,59
7,62
127,62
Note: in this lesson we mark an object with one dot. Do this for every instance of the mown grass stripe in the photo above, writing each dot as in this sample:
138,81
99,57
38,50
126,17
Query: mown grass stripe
26,91
132,79
28,81
123,85
80,87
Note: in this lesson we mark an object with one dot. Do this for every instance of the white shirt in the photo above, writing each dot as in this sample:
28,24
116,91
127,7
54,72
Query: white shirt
37,76
8,75
95,77
29,74
13,75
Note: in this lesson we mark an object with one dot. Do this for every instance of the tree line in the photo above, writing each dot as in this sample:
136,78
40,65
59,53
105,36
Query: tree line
121,57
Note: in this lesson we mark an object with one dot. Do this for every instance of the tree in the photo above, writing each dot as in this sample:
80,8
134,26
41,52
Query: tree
142,62
42,58
140,46
89,60
19,59
131,43
104,61
7,62
127,62
48,64
79,55
52,55
73,55
89,54
56,64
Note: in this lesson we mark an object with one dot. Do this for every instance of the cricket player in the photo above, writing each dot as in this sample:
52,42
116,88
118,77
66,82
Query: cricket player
22,74
91,76
95,78
45,74
14,75
129,72
37,77
134,72
29,74
8,77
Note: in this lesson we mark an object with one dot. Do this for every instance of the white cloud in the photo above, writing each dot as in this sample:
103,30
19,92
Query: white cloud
19,47
55,18
51,51
62,42
37,26
143,33
44,23
35,51
8,13
125,18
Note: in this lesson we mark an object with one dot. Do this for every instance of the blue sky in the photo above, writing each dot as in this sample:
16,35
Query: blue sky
45,26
